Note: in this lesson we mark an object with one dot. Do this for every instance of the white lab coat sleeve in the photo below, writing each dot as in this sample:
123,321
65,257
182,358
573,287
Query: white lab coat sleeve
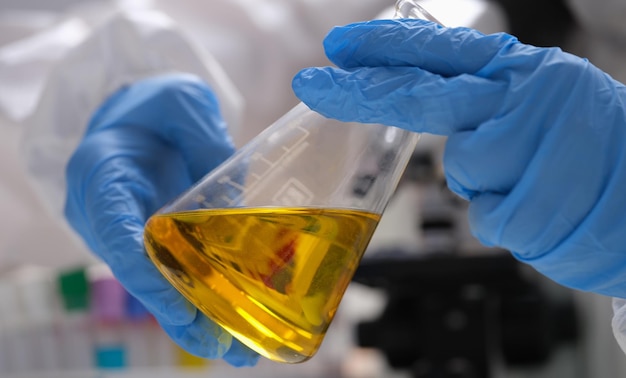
619,322
129,46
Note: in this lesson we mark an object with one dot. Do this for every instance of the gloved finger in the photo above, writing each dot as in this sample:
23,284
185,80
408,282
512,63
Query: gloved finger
206,339
240,355
506,221
406,97
572,256
128,261
413,42
108,203
509,219
184,113
201,337
491,159
120,244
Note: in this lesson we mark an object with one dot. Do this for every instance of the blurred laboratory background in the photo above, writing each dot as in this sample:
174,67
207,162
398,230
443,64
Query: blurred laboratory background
427,301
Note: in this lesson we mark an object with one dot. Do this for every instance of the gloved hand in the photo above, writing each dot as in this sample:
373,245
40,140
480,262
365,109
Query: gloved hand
536,137
146,144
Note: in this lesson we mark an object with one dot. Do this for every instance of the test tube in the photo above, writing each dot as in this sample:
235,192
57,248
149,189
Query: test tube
107,311
37,298
135,331
14,343
75,334
144,337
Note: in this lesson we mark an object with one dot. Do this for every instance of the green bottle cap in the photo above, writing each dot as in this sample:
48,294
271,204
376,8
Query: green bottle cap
74,289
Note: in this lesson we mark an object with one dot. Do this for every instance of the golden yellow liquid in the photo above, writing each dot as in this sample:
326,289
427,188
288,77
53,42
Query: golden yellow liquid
272,277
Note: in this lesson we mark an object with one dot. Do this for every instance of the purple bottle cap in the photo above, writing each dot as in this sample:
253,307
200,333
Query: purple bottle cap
108,302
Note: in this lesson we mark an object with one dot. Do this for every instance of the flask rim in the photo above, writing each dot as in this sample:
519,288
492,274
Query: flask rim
410,9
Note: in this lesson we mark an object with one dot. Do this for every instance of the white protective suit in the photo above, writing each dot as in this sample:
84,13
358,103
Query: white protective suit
56,69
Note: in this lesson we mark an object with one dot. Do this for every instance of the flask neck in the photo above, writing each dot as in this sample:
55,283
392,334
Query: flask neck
410,9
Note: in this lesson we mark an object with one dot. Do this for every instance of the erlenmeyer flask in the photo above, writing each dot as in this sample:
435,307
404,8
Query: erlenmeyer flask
266,244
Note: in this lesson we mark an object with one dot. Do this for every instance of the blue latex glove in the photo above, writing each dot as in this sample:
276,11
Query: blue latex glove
536,137
146,144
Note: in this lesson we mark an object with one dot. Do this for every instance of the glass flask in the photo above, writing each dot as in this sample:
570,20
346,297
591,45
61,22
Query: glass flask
266,244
